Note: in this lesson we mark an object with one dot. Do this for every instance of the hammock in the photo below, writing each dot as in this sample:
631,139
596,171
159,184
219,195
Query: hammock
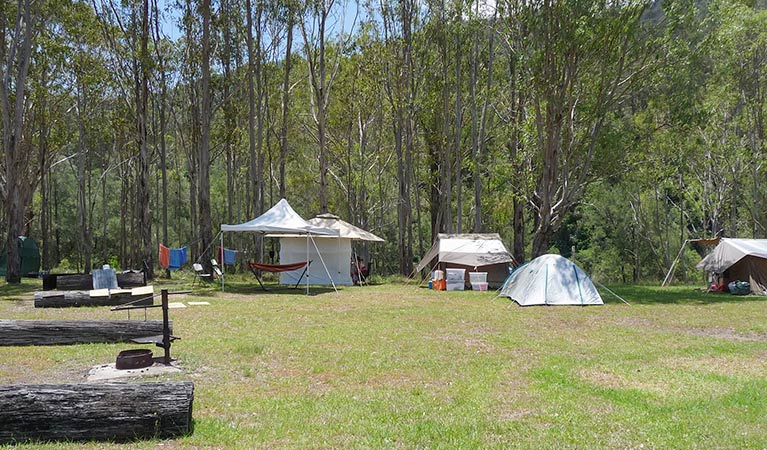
276,268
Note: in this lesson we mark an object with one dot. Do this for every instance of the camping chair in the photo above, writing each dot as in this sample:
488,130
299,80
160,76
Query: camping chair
216,268
199,272
255,268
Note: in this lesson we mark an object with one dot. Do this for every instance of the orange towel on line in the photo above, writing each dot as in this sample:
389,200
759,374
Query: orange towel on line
164,256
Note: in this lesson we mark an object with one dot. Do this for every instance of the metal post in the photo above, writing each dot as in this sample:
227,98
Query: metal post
165,328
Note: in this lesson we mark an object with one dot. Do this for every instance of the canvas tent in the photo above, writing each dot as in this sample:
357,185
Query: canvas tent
282,219
739,260
473,252
550,280
337,252
29,254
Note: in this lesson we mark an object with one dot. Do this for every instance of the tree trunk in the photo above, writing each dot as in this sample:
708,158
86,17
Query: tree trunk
142,97
206,112
95,412
66,332
285,106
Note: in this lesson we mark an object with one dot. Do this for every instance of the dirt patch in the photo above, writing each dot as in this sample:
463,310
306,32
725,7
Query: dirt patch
718,333
722,365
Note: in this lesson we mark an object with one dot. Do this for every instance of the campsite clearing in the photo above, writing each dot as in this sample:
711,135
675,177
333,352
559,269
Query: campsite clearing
398,366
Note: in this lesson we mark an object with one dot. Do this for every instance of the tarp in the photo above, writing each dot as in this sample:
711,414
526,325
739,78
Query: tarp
29,253
473,250
345,229
551,280
730,251
280,218
336,252
739,260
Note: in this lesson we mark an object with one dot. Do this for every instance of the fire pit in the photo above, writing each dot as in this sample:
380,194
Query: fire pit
134,359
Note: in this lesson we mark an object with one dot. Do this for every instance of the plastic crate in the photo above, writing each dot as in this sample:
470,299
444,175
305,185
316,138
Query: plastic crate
478,277
478,286
456,275
455,285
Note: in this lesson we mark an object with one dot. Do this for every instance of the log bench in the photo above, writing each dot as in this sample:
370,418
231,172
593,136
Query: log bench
64,332
97,297
95,412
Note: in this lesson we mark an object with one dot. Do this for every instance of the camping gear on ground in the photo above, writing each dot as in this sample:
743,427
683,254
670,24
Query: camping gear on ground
478,281
739,259
472,252
739,287
29,255
550,280
455,279
337,253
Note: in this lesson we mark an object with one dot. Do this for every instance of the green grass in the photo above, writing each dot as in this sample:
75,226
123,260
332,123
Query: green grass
394,366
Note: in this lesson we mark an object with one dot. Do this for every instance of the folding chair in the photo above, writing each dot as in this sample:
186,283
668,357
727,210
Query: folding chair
199,272
216,268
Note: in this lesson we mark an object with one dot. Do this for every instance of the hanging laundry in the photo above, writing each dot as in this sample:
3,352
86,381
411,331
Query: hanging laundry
229,256
177,258
164,256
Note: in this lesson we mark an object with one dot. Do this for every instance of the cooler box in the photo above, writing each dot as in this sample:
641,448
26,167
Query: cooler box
439,285
438,275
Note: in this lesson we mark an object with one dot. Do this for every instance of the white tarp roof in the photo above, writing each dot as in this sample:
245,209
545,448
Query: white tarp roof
345,229
467,249
729,251
280,218
550,280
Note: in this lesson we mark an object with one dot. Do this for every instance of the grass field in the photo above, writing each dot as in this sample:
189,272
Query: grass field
397,366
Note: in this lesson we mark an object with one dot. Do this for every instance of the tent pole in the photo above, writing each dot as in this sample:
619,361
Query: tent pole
321,260
671,269
307,262
223,264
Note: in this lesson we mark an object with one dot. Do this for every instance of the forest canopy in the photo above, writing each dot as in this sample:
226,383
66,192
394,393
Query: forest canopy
615,130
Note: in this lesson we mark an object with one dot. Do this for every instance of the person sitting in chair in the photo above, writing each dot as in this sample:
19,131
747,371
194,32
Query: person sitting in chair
359,271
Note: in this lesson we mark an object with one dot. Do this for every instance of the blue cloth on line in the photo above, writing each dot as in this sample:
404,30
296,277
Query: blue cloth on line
177,258
229,256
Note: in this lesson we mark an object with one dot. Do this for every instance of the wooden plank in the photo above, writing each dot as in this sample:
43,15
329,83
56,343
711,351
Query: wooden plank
143,290
95,412
98,293
63,332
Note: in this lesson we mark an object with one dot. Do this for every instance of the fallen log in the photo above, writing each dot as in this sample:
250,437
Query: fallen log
101,297
95,412
84,282
64,332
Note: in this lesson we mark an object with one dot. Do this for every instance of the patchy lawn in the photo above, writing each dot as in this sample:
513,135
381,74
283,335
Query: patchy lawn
395,366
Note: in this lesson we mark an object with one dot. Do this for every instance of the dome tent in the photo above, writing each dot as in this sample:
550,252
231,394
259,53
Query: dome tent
550,280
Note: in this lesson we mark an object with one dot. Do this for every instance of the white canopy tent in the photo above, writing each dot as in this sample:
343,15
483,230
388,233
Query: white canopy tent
550,280
336,252
282,219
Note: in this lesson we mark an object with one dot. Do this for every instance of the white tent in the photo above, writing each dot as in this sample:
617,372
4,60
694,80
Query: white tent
337,252
473,252
739,260
550,280
282,219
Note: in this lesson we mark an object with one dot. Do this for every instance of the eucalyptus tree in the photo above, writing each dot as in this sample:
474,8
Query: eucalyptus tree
582,59
16,54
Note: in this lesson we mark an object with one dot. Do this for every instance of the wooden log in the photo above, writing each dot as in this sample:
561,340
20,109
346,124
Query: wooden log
74,282
64,332
131,279
95,412
100,297
84,282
